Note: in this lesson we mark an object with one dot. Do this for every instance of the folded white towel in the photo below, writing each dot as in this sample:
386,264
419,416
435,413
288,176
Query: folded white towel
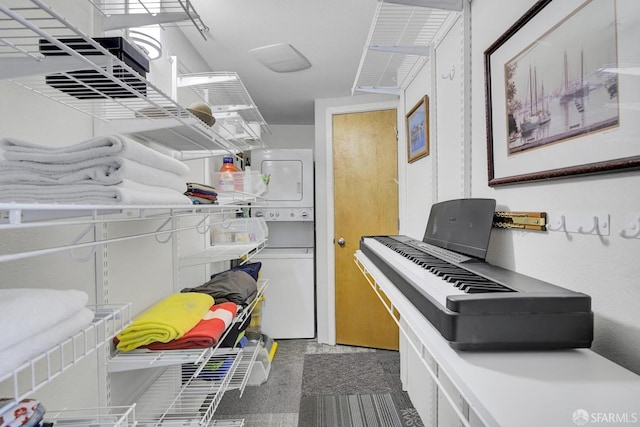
109,170
25,312
54,334
127,192
112,145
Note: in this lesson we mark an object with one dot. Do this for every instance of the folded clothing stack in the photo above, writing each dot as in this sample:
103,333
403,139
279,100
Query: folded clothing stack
201,193
206,333
167,320
35,320
104,170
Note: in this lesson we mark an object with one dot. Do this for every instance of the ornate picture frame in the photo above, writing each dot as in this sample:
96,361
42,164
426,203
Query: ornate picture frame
558,99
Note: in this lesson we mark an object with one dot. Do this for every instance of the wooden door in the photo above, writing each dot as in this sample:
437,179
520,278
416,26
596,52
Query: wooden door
365,171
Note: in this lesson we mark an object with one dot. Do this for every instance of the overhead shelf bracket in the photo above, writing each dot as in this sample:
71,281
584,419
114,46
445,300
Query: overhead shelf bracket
122,21
206,78
453,5
122,14
406,50
11,68
383,90
400,42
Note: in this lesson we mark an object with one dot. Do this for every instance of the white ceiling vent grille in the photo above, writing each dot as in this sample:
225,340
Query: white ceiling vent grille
400,40
281,58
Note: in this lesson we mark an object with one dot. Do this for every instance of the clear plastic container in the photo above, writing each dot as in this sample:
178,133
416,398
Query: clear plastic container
247,182
239,231
254,331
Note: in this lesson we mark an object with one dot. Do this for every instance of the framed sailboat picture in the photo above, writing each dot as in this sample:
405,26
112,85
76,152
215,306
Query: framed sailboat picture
418,130
559,97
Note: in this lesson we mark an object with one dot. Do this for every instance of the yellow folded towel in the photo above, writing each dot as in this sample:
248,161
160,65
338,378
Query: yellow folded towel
167,320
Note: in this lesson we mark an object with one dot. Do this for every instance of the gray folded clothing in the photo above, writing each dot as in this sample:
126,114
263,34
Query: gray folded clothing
229,286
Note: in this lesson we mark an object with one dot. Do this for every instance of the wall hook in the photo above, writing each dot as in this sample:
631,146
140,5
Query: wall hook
160,228
595,228
562,225
451,74
206,228
633,226
87,257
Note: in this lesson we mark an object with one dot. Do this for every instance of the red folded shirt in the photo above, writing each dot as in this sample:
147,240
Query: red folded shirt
206,333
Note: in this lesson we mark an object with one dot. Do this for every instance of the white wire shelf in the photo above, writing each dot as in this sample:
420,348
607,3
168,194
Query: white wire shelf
119,14
18,215
115,416
184,395
93,81
399,44
238,118
12,217
144,359
227,423
223,252
42,369
245,364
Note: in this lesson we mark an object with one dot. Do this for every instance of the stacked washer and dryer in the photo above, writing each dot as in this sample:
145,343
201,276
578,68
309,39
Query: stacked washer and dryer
288,310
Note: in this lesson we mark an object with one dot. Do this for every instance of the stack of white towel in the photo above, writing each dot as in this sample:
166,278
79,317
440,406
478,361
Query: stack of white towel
105,170
35,320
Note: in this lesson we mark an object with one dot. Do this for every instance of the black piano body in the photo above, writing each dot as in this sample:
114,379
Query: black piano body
524,314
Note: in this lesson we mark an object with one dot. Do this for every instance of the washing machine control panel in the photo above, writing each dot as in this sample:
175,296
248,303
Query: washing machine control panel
284,214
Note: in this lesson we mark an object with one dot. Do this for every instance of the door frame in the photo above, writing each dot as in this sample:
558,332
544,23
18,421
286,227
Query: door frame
324,207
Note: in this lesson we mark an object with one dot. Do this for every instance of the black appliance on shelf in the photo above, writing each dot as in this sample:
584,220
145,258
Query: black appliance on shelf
91,84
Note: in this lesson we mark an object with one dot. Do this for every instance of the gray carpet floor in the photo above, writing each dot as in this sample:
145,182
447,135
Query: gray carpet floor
317,385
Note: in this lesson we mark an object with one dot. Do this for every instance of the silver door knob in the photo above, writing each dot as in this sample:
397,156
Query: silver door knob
341,241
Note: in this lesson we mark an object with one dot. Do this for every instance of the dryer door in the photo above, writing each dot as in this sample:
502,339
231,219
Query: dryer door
286,180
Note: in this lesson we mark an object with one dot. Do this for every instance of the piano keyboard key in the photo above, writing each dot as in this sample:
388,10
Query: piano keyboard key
459,277
424,280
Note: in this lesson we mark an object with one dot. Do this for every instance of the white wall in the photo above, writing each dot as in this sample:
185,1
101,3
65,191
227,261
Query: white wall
416,180
444,173
605,267
289,136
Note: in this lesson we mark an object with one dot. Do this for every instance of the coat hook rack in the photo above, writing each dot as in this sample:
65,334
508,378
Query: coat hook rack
580,222
632,231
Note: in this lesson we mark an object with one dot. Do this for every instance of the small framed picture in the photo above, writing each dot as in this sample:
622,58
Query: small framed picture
418,130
